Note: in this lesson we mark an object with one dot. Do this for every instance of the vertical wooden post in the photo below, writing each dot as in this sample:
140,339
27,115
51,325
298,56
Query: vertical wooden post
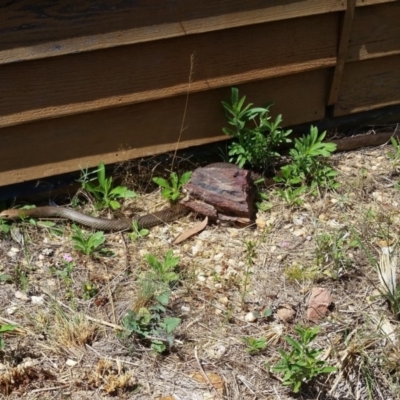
342,52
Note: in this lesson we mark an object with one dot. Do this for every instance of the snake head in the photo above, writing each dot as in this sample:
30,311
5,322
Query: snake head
11,214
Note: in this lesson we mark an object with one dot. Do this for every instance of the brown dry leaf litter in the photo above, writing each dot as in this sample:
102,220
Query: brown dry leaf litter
233,283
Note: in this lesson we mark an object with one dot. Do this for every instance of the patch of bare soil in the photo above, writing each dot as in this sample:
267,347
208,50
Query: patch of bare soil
235,285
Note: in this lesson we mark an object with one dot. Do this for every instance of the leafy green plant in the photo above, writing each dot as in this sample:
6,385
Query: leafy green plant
137,232
332,251
394,155
256,136
86,242
309,164
68,267
4,227
254,345
4,329
104,194
89,290
172,189
153,324
163,271
301,364
292,195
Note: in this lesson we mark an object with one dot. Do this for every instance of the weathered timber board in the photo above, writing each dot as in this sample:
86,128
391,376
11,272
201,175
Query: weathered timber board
55,146
40,29
361,3
84,82
375,32
369,84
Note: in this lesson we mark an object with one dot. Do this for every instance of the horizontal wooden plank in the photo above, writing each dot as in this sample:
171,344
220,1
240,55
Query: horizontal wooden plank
39,29
376,32
55,146
361,3
97,80
369,84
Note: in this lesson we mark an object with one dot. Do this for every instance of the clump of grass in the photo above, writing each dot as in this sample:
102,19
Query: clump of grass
72,332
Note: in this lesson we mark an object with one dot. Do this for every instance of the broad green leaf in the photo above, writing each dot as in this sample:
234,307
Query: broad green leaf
162,182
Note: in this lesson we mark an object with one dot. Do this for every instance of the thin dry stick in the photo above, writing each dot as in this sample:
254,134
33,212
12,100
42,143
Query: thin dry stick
205,375
184,111
49,389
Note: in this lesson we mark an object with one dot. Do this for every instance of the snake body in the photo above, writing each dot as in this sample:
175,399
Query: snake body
120,224
171,213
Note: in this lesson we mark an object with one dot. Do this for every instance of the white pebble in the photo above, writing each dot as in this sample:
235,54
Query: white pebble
21,296
11,310
71,363
37,300
251,317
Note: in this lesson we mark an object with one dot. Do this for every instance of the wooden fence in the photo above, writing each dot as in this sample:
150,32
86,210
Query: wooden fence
89,81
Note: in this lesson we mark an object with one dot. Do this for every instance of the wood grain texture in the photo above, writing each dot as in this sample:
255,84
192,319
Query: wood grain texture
39,29
376,32
90,81
361,3
55,146
342,52
369,84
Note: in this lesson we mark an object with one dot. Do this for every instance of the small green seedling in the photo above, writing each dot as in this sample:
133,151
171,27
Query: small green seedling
309,163
163,271
4,329
103,193
302,363
89,290
254,345
172,189
256,136
137,232
153,324
4,227
87,243
292,196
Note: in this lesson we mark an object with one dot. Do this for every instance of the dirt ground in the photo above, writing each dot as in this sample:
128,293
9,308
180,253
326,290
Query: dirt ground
234,284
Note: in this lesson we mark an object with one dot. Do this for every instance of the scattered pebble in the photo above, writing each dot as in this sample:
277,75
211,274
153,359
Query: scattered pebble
21,296
11,310
318,304
39,300
223,300
70,363
286,313
251,317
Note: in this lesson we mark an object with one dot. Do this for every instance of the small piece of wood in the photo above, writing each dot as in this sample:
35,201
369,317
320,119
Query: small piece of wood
221,193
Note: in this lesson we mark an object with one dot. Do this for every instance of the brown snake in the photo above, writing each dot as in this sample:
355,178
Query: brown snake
172,213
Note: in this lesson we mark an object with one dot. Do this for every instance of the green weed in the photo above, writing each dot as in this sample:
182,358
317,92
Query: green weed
104,194
153,324
302,363
87,243
332,251
3,330
309,164
137,232
163,271
254,345
256,136
89,290
172,189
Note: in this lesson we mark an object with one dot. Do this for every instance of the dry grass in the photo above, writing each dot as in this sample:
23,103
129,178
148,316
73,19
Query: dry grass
68,346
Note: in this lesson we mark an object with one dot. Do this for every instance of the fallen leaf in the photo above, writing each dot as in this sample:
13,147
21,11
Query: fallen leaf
215,380
318,304
191,231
